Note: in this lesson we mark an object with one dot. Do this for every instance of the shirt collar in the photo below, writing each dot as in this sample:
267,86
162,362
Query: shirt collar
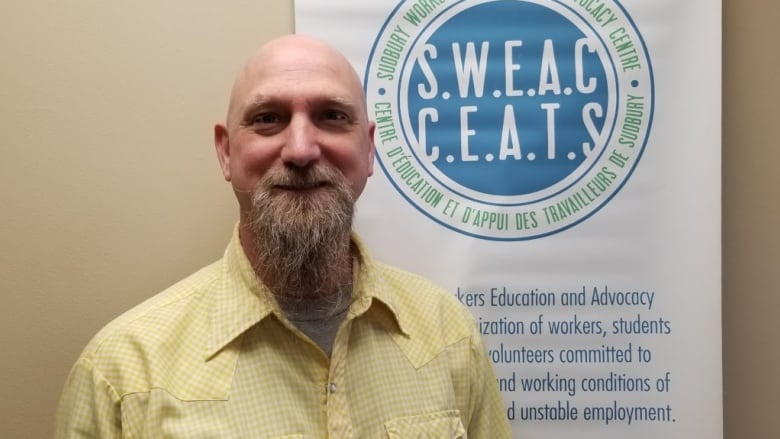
370,284
241,300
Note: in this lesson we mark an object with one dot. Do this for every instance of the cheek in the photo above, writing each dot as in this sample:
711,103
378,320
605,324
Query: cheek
357,168
249,165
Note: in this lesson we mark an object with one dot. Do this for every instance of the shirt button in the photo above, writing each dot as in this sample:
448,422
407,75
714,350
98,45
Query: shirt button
332,387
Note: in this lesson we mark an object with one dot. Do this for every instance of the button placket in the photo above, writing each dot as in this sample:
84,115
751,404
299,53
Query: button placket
338,406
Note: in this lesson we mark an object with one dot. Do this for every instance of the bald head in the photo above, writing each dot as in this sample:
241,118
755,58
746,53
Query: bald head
293,56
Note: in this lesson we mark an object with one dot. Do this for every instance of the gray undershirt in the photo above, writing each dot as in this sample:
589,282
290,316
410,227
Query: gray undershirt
318,318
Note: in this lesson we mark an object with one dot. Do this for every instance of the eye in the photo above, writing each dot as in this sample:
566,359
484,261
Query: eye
265,119
335,115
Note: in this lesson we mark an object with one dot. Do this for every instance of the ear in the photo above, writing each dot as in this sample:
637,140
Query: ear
222,145
371,147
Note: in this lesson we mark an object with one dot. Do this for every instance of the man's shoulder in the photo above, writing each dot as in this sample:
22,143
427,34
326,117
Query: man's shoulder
161,315
162,343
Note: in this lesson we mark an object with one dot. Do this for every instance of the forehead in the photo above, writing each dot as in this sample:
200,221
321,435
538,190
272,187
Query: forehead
298,74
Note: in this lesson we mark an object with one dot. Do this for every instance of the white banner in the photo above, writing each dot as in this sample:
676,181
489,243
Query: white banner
556,165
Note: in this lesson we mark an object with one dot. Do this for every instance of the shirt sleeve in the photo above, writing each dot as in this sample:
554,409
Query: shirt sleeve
89,406
488,414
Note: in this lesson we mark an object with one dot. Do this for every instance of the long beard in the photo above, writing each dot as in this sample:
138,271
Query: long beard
301,220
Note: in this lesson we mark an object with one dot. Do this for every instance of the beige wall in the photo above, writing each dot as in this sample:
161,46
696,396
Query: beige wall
110,189
751,217
109,183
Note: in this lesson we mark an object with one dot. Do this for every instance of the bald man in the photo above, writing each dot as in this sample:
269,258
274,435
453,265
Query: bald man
296,332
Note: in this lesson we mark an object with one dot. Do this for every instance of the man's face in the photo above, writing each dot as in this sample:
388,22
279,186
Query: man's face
297,104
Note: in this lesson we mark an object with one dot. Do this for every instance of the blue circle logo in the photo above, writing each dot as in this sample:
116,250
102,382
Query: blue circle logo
509,119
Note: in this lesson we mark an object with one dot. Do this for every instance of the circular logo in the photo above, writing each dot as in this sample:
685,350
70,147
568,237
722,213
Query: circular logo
509,119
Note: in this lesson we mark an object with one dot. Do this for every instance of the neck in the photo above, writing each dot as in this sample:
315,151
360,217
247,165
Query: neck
299,309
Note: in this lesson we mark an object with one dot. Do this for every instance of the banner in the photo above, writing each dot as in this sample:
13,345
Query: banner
556,165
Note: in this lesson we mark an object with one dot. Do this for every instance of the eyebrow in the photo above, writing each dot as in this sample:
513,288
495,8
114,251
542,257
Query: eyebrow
263,100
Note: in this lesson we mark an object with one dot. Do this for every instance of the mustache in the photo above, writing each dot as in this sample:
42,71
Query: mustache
301,178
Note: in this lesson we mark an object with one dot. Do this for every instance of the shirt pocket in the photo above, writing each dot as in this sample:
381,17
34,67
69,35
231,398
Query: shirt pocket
438,425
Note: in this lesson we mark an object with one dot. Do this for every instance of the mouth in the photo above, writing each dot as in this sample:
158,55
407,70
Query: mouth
302,187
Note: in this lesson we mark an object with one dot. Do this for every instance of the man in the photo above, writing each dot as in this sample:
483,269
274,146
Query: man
296,332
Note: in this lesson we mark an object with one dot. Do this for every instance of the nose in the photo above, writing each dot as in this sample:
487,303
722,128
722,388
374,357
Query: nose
302,144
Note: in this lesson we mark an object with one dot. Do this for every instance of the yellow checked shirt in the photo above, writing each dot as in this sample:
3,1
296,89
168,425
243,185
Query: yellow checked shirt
212,357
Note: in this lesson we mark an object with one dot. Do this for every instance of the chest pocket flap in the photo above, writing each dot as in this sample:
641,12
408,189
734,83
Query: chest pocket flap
438,425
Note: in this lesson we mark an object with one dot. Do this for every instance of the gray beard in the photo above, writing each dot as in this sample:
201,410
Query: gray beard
302,238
